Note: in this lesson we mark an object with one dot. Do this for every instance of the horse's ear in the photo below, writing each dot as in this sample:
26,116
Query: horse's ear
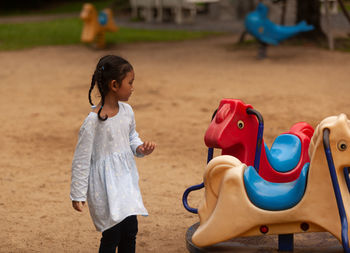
343,122
343,117
314,142
222,113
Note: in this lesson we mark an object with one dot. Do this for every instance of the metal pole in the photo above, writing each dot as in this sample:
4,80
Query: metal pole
329,26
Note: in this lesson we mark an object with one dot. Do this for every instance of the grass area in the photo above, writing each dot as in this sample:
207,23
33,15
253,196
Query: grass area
67,32
342,44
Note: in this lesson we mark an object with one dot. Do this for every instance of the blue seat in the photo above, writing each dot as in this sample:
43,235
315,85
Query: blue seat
274,196
285,152
102,18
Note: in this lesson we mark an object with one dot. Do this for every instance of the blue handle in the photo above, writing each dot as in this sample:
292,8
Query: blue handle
346,175
337,192
259,137
186,193
198,186
195,187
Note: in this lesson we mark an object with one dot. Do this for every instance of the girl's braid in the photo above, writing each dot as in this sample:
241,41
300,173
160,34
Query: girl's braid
93,81
102,92
109,67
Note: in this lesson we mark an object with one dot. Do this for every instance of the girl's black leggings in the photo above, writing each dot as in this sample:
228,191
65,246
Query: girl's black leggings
122,235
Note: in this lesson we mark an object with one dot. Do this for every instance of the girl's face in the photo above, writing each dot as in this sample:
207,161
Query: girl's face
126,88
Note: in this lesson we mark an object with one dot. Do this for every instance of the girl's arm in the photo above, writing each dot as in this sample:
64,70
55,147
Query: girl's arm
81,166
146,148
138,147
78,205
134,138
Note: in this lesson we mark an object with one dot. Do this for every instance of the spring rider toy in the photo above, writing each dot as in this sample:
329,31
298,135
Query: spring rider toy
269,33
237,129
240,203
96,25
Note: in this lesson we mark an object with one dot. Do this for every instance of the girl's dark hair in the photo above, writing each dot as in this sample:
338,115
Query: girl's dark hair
109,67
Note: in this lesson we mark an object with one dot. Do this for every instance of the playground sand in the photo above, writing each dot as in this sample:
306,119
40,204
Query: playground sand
178,85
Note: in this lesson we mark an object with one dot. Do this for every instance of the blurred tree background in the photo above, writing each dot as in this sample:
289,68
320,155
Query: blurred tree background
310,12
10,7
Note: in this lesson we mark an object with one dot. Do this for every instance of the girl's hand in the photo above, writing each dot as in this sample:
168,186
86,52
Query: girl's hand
146,148
78,205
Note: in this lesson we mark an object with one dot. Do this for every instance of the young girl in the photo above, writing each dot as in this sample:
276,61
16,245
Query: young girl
104,172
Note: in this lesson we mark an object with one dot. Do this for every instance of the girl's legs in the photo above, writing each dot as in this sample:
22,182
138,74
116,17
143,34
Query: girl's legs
128,237
110,239
122,235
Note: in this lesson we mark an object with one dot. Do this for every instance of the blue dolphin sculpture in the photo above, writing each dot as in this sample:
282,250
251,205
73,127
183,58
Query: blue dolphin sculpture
258,25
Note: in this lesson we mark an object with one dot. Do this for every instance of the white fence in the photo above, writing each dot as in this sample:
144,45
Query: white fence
181,10
332,5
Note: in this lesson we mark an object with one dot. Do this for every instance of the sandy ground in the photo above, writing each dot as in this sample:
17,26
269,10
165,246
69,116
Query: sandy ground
178,86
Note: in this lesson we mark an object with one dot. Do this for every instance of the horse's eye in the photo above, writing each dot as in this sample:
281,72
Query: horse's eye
240,124
342,146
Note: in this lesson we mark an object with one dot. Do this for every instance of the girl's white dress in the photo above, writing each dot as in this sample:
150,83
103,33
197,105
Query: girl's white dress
104,170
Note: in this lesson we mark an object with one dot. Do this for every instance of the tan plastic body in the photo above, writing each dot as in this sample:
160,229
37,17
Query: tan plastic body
227,212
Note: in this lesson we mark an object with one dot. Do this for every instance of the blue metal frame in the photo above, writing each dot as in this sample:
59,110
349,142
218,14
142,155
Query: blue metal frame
198,186
259,137
195,187
346,175
337,192
285,242
185,195
211,152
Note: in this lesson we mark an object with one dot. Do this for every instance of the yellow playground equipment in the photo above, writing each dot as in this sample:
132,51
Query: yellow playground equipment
96,24
239,203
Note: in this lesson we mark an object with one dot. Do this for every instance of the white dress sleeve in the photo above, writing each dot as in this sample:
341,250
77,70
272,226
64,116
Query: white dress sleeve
81,162
135,141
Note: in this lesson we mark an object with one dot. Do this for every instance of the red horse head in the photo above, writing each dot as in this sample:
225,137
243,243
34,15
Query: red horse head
235,131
